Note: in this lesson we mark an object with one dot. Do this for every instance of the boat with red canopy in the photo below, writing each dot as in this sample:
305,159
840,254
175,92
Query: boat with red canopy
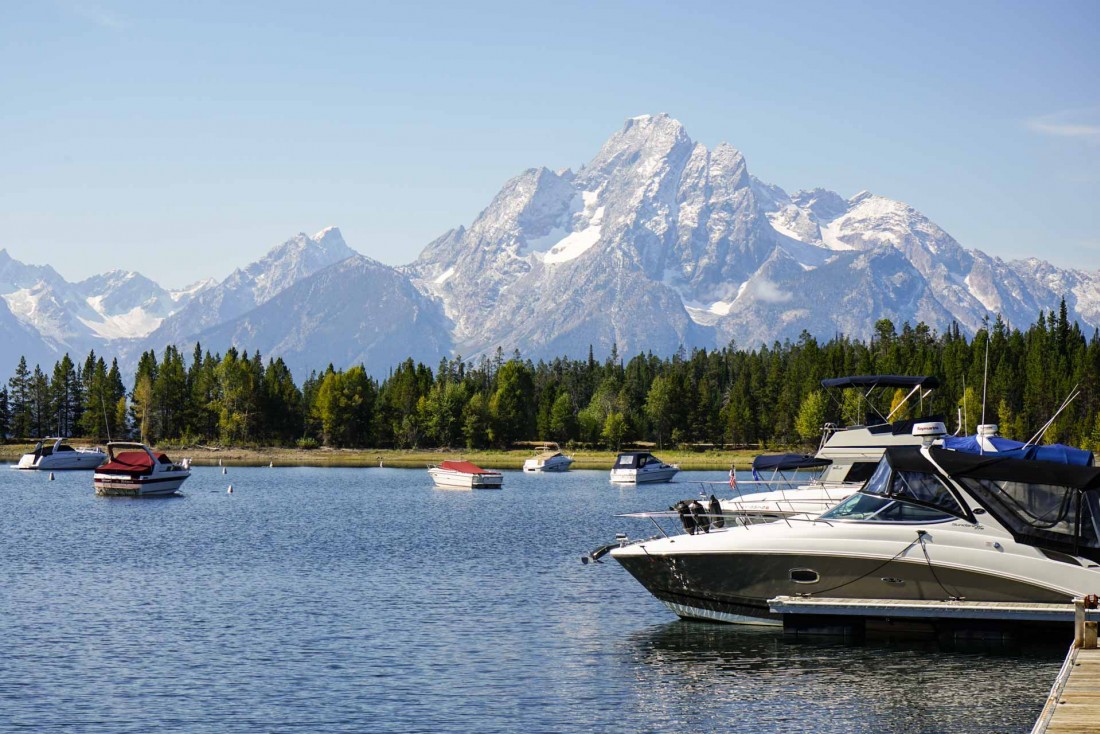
134,470
464,475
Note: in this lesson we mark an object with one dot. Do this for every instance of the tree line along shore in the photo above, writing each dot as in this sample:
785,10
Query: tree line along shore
692,402
707,460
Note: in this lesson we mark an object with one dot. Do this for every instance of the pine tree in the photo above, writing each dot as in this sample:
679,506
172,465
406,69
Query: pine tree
5,414
19,398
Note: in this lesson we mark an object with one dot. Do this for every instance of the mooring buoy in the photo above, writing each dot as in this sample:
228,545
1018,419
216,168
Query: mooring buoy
230,490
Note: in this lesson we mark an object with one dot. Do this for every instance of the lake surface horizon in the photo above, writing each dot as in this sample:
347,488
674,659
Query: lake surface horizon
344,599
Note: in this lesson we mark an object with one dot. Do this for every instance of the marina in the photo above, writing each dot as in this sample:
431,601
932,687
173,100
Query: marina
304,601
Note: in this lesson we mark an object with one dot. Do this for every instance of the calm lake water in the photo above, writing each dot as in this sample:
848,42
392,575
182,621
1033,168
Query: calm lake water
365,600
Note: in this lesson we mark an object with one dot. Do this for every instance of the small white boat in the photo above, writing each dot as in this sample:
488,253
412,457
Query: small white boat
59,456
638,467
464,475
548,457
136,471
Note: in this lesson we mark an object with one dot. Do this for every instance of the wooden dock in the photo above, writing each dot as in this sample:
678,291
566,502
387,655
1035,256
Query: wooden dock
1074,703
923,609
1073,706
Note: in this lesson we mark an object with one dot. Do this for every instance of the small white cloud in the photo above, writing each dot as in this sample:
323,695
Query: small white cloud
1068,124
768,292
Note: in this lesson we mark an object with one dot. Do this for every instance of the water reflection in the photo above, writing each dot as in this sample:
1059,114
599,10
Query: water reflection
366,600
695,671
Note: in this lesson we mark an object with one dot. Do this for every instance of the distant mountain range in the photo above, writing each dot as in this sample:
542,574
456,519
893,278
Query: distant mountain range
656,243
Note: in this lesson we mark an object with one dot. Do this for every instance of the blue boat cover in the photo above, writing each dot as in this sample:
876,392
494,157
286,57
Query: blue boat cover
1009,449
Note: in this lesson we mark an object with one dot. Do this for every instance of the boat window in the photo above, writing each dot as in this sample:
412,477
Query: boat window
859,506
65,447
874,508
626,460
922,487
1042,513
861,471
804,576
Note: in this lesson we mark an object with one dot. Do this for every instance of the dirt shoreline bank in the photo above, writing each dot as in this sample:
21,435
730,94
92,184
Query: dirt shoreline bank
419,458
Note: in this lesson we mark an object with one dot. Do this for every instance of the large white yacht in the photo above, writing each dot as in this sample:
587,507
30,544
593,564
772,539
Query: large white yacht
930,524
53,454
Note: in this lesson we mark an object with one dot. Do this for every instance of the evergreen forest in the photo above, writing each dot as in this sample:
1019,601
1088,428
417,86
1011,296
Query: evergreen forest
764,397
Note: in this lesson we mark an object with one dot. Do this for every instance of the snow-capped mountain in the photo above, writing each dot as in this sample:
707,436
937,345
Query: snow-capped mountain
656,243
357,311
75,317
244,290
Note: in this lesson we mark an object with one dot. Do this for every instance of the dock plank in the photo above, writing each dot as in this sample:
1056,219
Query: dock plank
1078,706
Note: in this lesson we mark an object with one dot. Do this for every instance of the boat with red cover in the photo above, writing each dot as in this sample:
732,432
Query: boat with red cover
464,475
134,470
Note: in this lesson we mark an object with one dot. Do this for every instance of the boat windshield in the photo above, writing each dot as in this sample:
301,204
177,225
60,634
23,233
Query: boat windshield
891,495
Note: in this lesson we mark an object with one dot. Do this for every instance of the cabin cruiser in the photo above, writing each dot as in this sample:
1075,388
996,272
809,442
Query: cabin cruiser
787,498
845,458
135,470
59,455
637,467
464,475
548,457
932,523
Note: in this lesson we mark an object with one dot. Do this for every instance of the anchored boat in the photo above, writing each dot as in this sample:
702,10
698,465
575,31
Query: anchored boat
59,456
464,475
134,470
638,467
548,458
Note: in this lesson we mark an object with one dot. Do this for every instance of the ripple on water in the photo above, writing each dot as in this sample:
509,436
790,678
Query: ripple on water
365,600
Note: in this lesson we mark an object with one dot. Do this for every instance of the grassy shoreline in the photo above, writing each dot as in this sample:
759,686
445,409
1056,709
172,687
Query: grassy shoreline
409,458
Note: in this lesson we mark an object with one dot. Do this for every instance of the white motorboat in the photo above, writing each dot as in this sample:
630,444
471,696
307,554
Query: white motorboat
58,456
845,459
134,470
784,498
638,467
464,475
931,523
548,458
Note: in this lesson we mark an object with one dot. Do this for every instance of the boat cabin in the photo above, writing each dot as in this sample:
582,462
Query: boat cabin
1054,506
636,460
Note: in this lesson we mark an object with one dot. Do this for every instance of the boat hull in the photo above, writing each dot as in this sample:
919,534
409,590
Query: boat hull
634,476
456,480
69,461
115,486
736,586
535,465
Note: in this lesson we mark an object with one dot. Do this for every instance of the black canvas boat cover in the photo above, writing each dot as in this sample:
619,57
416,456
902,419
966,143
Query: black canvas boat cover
787,462
868,381
1042,503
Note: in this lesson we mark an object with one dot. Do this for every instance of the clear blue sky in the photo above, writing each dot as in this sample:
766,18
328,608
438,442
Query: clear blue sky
186,139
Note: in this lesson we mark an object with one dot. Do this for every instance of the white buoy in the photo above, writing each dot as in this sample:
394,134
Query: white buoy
51,476
224,470
270,464
230,490
219,462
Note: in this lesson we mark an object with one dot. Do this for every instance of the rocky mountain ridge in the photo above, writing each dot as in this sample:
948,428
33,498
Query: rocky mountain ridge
656,243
